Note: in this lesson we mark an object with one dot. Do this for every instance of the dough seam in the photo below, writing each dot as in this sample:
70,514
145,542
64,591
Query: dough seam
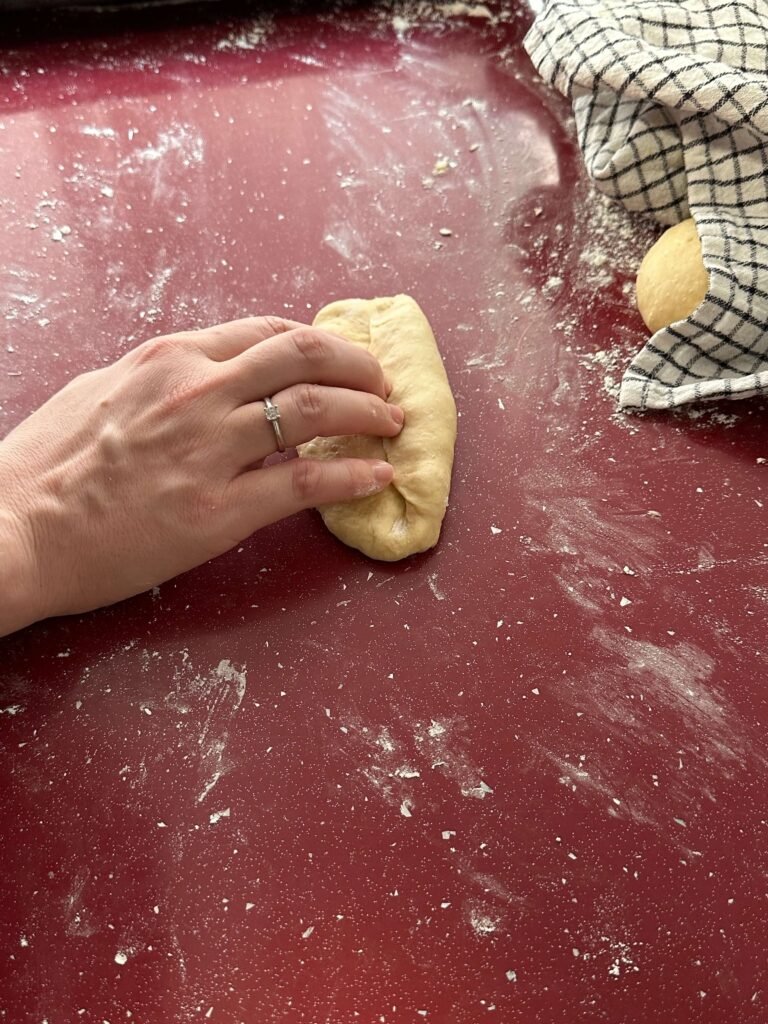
405,518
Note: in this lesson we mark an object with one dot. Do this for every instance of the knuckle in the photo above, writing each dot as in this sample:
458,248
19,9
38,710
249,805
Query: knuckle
83,381
158,348
374,366
198,508
172,371
182,390
312,347
307,476
185,391
276,324
310,401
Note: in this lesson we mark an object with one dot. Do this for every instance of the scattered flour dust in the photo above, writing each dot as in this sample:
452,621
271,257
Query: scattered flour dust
678,681
399,767
181,139
482,922
77,919
99,132
611,362
704,416
406,14
437,593
211,700
610,240
444,744
617,956
592,782
246,37
586,259
591,538
594,249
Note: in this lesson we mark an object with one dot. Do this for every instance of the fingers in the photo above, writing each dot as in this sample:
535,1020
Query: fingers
225,341
303,355
260,356
263,496
308,411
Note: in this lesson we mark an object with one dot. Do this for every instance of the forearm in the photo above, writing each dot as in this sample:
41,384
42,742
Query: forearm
18,607
141,470
20,603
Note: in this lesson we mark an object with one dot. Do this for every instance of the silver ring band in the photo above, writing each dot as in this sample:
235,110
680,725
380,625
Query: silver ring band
272,413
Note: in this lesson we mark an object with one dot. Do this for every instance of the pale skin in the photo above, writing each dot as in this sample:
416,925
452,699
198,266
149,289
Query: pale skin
138,471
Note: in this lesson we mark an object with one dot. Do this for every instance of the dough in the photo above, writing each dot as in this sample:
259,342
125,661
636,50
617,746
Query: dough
672,280
406,517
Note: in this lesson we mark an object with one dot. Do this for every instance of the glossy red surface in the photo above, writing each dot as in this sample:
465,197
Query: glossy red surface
522,778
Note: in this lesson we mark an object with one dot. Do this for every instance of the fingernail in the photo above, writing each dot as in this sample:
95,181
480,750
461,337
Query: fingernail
382,473
397,414
388,384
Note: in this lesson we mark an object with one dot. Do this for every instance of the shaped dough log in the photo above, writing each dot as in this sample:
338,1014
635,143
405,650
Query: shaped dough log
406,517
672,280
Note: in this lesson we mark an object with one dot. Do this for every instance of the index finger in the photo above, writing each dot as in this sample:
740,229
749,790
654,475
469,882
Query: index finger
306,355
225,341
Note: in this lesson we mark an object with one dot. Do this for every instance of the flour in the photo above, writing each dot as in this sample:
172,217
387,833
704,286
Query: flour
211,700
434,587
13,709
483,923
97,132
407,14
247,37
77,919
610,363
181,139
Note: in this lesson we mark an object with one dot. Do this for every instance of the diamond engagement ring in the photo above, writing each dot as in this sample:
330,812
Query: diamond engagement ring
272,413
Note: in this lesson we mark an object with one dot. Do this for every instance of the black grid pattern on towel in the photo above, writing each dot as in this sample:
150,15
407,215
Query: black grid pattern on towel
671,107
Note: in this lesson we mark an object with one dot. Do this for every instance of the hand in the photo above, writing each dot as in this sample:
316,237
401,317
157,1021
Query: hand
139,471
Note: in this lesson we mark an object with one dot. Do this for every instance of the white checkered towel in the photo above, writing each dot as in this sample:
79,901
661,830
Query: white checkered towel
671,104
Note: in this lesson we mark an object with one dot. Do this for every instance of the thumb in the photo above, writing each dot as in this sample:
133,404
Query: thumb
263,496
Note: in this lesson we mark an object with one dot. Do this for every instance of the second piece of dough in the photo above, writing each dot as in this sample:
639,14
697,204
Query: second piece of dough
672,280
406,517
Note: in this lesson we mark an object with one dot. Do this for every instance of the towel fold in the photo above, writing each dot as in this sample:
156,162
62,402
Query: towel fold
671,107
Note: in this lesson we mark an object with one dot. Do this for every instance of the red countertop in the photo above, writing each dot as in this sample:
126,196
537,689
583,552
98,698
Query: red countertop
521,778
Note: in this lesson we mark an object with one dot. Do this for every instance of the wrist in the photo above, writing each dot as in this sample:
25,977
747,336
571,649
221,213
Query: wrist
19,577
